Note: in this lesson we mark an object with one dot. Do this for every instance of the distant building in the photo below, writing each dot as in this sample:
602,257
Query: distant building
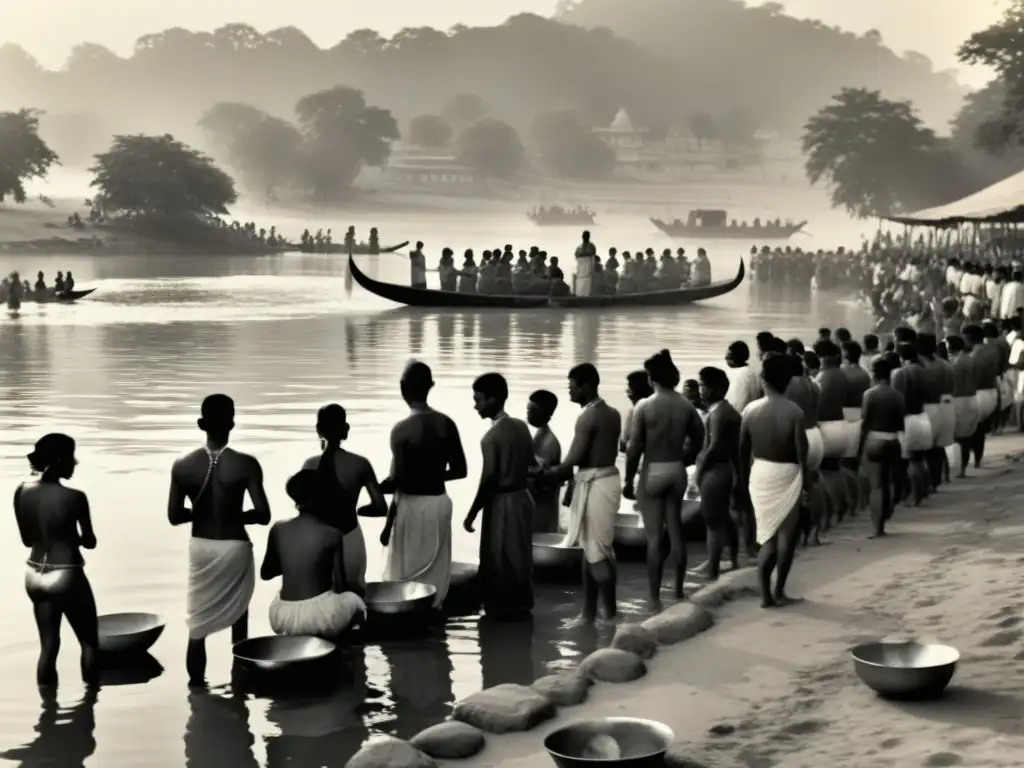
416,168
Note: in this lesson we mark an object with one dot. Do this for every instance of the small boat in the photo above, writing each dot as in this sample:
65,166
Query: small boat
714,225
64,297
359,249
561,218
437,299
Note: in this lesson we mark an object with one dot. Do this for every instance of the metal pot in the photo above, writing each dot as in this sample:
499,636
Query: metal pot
550,552
132,633
638,743
274,653
398,597
908,670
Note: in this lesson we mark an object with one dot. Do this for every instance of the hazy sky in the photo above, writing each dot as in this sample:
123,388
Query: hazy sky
49,28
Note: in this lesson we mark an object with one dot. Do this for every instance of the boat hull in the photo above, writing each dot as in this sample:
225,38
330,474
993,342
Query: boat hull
756,234
65,297
362,249
563,222
436,299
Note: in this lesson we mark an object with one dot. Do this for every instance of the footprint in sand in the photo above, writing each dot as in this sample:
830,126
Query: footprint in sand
805,727
1019,656
943,760
1003,639
1009,622
1006,610
892,743
928,602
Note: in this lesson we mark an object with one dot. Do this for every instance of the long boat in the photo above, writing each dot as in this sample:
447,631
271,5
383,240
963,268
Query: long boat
64,297
561,218
727,232
359,249
437,299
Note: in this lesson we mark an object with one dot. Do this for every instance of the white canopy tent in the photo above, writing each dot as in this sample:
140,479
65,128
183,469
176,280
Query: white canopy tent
1001,202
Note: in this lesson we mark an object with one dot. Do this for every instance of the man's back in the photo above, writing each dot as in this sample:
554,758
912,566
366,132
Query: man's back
305,549
423,445
663,421
801,392
772,425
512,447
216,486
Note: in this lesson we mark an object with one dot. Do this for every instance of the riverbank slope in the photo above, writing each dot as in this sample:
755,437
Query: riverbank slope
776,689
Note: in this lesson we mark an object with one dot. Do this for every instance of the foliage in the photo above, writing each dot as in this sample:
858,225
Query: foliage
878,157
23,154
569,148
463,109
262,148
342,134
492,148
429,131
158,176
703,126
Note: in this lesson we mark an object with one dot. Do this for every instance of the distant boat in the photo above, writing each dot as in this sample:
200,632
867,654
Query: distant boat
558,217
437,299
359,249
64,297
714,225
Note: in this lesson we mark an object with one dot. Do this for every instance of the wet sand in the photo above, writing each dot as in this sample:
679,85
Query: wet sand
776,689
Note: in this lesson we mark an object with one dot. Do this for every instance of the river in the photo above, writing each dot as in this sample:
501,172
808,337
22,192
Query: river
124,373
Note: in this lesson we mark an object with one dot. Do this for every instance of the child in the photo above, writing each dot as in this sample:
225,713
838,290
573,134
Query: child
539,410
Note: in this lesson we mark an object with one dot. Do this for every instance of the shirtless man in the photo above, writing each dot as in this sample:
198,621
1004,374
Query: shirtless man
506,538
965,401
596,493
882,415
910,380
418,267
717,470
773,460
934,383
426,453
548,453
835,434
987,361
804,393
222,572
858,381
667,432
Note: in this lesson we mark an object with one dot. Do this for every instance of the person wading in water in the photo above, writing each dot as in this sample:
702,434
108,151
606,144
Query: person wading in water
222,572
426,453
548,452
54,521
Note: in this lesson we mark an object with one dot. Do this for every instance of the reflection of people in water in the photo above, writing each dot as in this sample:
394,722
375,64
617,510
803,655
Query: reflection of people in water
325,730
217,733
505,652
420,682
64,736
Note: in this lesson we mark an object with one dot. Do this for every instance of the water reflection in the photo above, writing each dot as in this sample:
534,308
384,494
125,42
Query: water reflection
585,328
139,670
64,736
505,655
419,679
217,733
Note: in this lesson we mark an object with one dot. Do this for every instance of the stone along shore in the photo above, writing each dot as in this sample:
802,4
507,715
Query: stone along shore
776,689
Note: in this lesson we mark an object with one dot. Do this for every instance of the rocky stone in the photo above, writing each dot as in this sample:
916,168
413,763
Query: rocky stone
564,689
450,740
613,665
679,622
505,708
730,586
390,753
634,638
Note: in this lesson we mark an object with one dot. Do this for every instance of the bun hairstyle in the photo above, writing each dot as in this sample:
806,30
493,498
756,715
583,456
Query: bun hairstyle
49,451
662,370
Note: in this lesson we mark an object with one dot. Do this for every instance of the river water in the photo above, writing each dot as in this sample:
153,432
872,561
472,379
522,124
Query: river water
124,373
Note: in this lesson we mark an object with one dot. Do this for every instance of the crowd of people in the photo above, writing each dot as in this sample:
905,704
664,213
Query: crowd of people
14,290
780,449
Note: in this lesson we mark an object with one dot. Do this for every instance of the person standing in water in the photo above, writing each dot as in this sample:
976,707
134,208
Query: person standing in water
344,476
596,492
426,454
222,572
506,538
774,462
54,522
662,424
548,453
882,415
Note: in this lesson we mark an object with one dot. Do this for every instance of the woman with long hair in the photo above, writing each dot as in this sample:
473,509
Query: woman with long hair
345,475
55,523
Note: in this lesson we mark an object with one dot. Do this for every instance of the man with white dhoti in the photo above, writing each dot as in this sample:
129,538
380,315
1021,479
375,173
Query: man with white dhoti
222,572
934,380
596,492
586,258
426,453
858,381
986,379
805,394
910,381
835,433
965,400
773,455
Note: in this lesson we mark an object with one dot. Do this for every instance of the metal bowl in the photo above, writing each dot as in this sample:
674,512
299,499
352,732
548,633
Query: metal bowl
639,743
629,530
392,597
907,670
549,551
129,632
273,653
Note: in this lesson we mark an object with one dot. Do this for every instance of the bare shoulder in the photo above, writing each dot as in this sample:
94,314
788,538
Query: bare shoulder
311,463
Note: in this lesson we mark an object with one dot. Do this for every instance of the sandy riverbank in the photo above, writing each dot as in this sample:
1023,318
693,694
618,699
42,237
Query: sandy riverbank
776,689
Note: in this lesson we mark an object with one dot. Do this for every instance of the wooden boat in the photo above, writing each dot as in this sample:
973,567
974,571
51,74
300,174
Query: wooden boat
360,249
65,297
714,225
430,297
544,218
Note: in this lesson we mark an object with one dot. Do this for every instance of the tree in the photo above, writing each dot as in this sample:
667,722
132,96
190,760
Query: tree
23,154
463,109
429,131
738,128
159,177
703,127
492,148
878,156
568,148
262,148
342,134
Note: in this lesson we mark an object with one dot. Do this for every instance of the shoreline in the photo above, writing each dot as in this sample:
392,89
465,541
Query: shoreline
777,688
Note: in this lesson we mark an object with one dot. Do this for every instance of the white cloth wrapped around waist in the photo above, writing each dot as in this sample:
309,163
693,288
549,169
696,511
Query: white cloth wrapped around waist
835,437
815,449
221,580
917,434
596,496
945,435
775,489
421,542
326,615
852,416
965,416
987,400
931,410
